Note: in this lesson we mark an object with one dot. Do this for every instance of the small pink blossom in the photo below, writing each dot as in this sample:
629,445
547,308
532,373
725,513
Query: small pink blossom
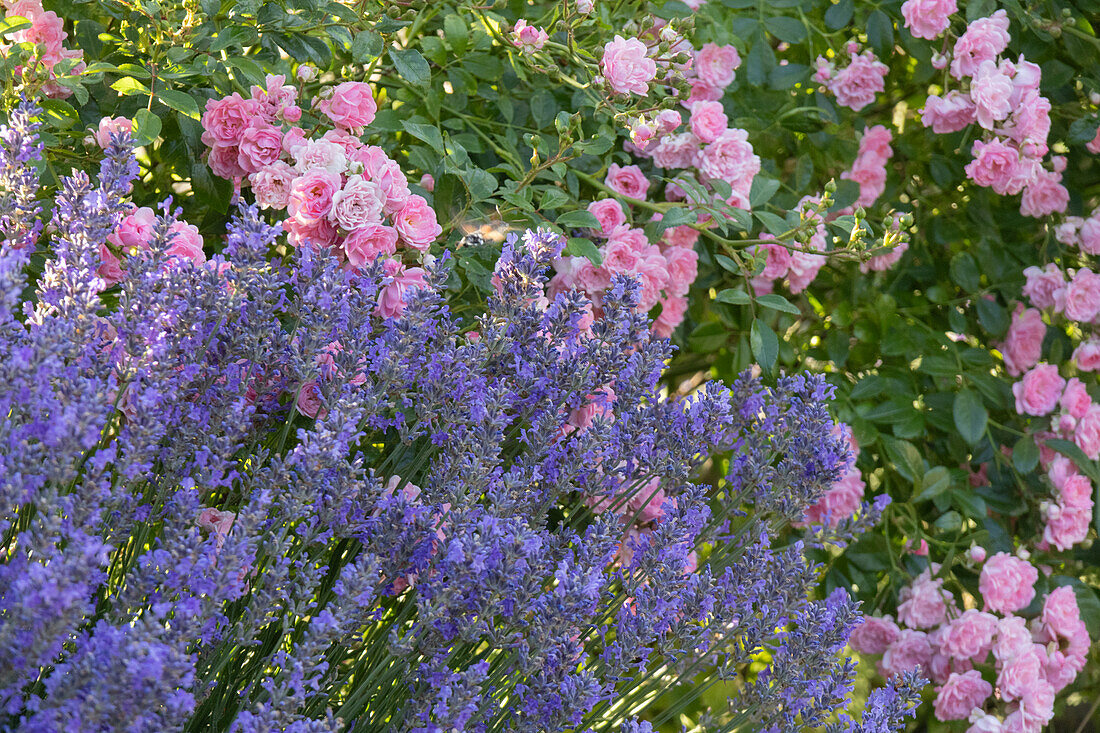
874,635
708,120
730,158
109,126
1082,296
991,90
185,242
609,212
923,605
1043,286
365,243
417,224
1087,355
928,19
715,65
271,185
983,40
528,38
960,694
1044,195
351,105
1007,583
627,180
970,636
399,282
856,85
1090,233
225,119
1086,435
995,165
357,204
1023,345
908,652
320,155
311,195
627,67
427,182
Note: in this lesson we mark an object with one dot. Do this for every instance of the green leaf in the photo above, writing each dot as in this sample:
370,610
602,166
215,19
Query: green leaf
1025,454
949,522
733,296
964,271
59,114
773,223
249,69
934,482
129,86
992,317
786,29
971,417
970,504
727,264
765,344
580,247
411,66
12,24
839,15
580,218
146,127
779,303
553,198
905,458
428,133
543,108
677,216
457,33
366,47
880,32
182,102
763,188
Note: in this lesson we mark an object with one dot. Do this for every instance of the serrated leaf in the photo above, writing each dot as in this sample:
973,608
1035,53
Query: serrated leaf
786,29
59,114
411,66
1025,454
428,133
971,417
727,264
553,198
764,343
129,86
366,47
146,127
773,223
733,296
581,247
839,15
970,503
182,102
779,303
457,33
578,218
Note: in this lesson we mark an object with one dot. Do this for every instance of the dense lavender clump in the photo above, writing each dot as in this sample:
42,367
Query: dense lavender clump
490,526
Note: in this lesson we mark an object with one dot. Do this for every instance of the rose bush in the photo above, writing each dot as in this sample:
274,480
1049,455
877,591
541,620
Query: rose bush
902,196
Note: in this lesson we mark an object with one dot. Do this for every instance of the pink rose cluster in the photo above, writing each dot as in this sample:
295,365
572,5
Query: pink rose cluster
843,498
962,651
47,33
1003,98
338,193
798,267
928,19
135,234
1068,516
665,271
855,85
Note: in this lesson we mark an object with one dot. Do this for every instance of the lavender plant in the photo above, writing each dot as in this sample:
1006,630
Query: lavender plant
492,525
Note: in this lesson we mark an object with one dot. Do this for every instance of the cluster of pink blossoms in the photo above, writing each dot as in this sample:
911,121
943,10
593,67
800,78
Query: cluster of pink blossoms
1031,660
135,233
665,271
856,85
47,32
1003,98
339,193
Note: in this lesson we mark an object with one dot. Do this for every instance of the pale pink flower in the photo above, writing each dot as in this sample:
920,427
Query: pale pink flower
960,694
995,165
708,120
271,185
682,266
991,90
609,212
627,180
1087,433
185,242
528,38
1075,399
856,85
1044,195
923,605
909,651
983,40
928,19
1019,672
1023,344
225,119
417,224
1061,615
715,65
673,309
1087,355
365,243
320,155
357,204
351,105
1043,285
970,636
730,158
400,281
627,67
310,399
311,195
1082,296
874,635
1090,233
1007,583
677,151
109,126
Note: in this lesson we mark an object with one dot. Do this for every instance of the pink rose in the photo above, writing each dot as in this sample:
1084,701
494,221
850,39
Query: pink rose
683,267
857,84
1013,637
1007,583
715,65
271,185
923,604
609,213
627,180
1038,392
185,242
708,120
1090,233
1043,286
1019,673
1087,433
730,158
1087,355
351,105
909,651
995,165
777,259
1082,296
883,262
840,501
1044,195
652,273
109,126
224,162
619,256
277,98
320,155
1024,343
416,223
225,119
1030,119
596,405
950,113
293,137
626,66
677,151
991,90
365,243
310,399
1075,399
318,234
401,280
311,195
673,309
983,40
873,635
528,38
1068,525
357,204
427,182
960,694
135,231
970,636
260,146
110,267
1061,616
928,19
389,177
667,121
